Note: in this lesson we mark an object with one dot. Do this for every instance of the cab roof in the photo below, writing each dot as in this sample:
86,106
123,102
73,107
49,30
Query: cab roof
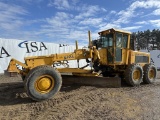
113,30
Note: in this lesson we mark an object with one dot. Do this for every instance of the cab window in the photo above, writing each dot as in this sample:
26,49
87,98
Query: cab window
118,40
125,39
107,40
104,41
121,40
110,41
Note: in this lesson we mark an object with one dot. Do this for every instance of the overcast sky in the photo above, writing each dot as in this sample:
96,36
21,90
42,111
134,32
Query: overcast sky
64,21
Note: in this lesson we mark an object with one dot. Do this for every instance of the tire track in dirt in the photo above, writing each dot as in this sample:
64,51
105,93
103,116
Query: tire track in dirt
83,102
77,102
109,103
86,106
60,98
33,109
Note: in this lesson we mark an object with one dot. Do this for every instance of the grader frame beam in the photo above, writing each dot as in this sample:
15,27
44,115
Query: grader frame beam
78,54
12,67
32,62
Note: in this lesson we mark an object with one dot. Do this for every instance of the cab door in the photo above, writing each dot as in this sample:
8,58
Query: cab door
110,49
120,46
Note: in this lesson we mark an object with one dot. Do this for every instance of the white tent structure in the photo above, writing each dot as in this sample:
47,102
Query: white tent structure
18,49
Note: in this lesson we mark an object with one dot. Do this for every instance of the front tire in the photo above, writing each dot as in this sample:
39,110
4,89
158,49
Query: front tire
134,75
42,82
150,73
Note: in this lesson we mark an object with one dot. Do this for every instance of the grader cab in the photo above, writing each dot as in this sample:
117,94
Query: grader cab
110,58
117,58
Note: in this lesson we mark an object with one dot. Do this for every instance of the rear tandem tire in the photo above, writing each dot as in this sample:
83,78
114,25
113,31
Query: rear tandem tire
134,75
42,82
150,73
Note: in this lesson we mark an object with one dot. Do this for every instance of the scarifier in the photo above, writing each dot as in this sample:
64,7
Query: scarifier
111,59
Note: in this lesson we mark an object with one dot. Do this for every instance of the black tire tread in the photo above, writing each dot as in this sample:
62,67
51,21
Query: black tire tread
146,68
26,80
128,73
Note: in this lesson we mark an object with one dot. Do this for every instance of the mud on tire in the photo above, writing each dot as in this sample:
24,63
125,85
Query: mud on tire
40,76
134,75
150,73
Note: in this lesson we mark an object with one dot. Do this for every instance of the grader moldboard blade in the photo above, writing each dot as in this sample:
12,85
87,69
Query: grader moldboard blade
114,82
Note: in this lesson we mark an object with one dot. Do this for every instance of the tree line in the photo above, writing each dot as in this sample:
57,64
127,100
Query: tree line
147,39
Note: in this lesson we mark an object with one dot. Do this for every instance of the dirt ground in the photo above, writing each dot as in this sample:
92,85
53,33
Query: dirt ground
81,103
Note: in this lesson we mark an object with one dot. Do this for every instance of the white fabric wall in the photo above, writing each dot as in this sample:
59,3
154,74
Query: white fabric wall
155,57
19,49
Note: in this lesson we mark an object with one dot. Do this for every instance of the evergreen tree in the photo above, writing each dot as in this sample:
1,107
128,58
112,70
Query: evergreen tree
146,39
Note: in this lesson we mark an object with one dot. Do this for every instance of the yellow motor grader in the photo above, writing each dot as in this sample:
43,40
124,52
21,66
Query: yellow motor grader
110,57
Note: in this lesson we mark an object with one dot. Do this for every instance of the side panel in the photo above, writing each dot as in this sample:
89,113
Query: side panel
139,57
103,56
124,56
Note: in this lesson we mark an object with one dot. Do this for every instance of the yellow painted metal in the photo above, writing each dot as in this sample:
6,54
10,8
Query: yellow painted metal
103,56
49,60
96,55
44,84
37,61
133,54
136,74
151,74
127,52
12,66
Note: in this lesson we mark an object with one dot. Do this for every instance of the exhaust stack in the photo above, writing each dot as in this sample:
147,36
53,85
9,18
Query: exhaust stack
90,40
